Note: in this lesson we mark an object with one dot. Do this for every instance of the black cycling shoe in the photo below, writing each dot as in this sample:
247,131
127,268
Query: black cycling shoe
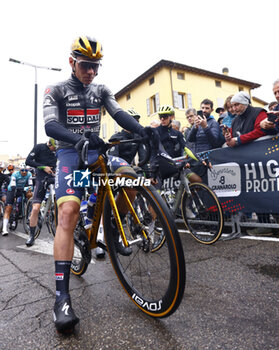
64,316
30,241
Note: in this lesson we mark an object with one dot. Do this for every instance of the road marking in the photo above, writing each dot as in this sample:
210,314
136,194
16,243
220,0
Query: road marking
42,246
255,238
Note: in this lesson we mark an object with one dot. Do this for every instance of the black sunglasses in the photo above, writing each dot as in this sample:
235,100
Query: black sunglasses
165,116
85,65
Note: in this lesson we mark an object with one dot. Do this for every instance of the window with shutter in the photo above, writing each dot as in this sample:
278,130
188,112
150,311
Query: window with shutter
189,100
148,106
175,99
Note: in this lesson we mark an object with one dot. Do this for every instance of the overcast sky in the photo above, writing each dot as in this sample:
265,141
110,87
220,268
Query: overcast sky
240,35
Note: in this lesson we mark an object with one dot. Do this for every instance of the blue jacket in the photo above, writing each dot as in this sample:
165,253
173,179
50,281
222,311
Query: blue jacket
207,138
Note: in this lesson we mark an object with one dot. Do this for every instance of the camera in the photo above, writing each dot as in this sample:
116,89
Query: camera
199,113
271,117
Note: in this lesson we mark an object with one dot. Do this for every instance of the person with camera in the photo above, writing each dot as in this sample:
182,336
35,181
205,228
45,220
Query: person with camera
206,131
270,125
246,124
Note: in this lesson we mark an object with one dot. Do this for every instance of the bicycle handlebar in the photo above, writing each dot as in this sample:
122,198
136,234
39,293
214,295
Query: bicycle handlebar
83,153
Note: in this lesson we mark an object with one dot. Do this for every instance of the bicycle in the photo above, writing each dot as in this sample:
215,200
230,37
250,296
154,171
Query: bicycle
199,205
18,211
47,210
153,279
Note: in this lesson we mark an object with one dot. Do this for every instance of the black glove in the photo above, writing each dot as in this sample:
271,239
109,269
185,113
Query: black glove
95,142
152,135
146,132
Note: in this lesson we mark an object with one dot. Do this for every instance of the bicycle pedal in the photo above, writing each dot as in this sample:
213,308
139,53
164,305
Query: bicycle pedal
102,245
100,253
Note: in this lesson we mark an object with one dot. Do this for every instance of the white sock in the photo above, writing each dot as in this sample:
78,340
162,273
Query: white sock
5,224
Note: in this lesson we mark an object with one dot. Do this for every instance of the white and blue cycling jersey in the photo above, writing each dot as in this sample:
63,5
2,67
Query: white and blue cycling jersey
19,181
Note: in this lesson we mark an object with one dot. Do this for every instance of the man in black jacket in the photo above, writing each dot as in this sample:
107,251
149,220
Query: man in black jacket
127,151
43,158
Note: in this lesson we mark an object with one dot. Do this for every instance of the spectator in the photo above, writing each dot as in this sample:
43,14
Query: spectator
270,127
246,125
220,111
229,114
206,131
176,125
246,128
272,105
155,123
191,114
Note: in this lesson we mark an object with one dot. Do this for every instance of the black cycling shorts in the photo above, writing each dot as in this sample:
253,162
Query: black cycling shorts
67,162
40,186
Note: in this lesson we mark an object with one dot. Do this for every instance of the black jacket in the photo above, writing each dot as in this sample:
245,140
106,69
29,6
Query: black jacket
41,156
127,151
172,140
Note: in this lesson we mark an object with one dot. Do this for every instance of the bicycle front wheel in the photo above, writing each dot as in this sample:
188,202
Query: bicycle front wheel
202,213
153,278
26,220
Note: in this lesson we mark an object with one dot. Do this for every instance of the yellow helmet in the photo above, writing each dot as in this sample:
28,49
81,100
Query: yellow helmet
87,47
166,110
133,113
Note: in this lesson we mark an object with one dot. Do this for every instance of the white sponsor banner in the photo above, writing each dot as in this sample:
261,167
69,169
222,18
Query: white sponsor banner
225,179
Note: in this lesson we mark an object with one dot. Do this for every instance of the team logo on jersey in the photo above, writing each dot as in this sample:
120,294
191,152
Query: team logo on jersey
47,90
78,116
59,276
73,98
82,178
70,191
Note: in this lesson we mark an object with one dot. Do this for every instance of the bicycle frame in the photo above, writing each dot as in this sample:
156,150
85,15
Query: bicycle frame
183,186
51,199
103,190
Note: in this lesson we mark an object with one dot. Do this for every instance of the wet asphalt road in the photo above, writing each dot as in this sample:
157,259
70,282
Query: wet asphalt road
231,301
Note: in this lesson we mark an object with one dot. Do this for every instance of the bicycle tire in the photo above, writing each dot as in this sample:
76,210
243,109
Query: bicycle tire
51,221
154,280
202,213
13,220
2,211
26,221
82,251
27,215
24,213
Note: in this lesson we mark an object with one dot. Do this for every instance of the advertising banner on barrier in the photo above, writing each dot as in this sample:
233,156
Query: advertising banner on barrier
246,177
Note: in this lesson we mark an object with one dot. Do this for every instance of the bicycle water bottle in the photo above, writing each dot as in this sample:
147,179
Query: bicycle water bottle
83,210
91,205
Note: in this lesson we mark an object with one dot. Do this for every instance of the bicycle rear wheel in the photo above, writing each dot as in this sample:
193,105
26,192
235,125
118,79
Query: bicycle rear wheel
202,213
82,251
153,279
144,213
13,220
